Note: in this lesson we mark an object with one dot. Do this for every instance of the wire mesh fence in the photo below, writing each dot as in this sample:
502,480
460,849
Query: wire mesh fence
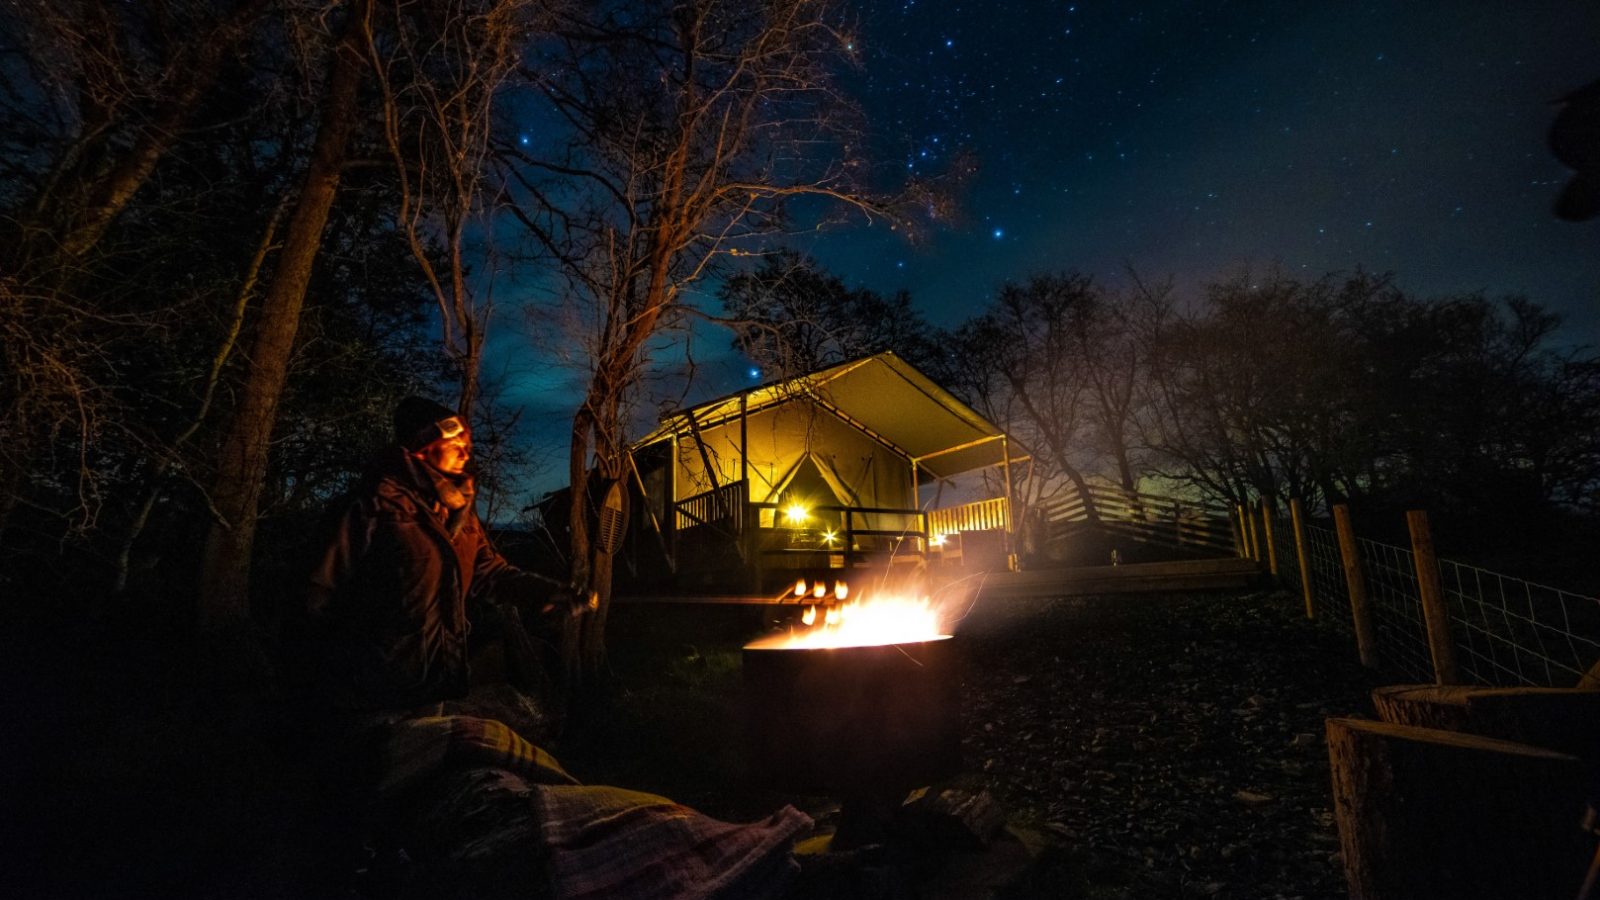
1507,631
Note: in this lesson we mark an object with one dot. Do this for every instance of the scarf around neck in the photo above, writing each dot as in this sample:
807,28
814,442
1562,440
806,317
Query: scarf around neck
454,493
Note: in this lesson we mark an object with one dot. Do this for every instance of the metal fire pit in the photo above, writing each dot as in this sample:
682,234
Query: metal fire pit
853,721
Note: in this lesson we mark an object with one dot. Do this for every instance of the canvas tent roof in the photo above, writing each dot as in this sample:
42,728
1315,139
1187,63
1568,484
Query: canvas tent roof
882,395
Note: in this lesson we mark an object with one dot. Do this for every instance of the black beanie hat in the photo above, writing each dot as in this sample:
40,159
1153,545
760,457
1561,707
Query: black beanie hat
417,422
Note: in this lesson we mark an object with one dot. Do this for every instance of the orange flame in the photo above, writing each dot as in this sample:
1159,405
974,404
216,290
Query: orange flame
883,619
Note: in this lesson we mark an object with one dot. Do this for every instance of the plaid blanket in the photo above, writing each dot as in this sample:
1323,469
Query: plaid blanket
606,842
414,749
594,841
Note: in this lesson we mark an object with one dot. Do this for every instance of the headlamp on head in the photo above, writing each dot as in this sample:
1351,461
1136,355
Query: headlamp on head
450,428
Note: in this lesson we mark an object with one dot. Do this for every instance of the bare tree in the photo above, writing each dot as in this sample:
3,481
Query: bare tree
791,317
687,126
440,68
1025,366
100,93
125,81
242,463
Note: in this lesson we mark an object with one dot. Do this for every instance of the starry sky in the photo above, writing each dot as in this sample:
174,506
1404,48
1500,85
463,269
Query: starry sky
1188,139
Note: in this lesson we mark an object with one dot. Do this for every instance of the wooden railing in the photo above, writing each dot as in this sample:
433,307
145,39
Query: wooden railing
722,508
856,532
980,515
1148,518
853,533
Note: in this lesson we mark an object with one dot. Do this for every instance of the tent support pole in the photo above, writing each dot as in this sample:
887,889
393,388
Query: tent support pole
1005,452
749,531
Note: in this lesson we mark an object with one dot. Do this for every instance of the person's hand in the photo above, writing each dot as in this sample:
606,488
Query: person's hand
563,603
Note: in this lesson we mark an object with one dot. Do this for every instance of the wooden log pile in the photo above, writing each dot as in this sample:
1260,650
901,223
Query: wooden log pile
1466,792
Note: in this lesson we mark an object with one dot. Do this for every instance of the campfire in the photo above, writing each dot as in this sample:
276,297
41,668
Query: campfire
889,616
860,699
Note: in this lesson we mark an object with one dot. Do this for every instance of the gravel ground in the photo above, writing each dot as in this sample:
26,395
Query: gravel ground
1174,744
1165,746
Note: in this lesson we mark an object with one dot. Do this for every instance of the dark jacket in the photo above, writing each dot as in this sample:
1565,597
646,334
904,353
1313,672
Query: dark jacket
387,609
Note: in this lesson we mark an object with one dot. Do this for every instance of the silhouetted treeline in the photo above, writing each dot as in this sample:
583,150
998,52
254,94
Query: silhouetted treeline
234,232
1333,389
199,233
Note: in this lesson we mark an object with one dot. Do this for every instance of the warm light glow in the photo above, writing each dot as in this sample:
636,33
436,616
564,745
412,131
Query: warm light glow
820,591
937,540
883,619
841,590
829,537
800,588
795,514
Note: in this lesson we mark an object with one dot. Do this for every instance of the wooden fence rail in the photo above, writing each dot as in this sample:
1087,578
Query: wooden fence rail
1146,518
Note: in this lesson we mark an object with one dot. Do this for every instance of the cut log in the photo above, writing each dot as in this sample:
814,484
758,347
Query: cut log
1562,719
1430,813
1591,679
1424,705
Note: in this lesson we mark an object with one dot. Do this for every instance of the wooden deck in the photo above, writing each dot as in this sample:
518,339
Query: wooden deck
1228,573
1155,577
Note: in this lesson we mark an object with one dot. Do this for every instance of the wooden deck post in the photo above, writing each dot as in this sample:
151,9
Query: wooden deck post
1435,613
1366,640
1266,529
1302,554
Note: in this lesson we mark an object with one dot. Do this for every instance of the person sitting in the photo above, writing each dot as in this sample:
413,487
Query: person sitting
407,572
457,799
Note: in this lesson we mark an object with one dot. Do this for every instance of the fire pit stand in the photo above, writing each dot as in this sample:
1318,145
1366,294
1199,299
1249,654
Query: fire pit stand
864,724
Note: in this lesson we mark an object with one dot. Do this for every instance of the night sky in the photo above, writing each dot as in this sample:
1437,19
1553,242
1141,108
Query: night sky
1190,138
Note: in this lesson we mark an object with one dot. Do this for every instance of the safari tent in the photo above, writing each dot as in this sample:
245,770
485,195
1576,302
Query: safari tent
813,472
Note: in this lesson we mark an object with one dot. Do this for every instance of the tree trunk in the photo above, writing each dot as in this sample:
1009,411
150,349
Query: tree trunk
1125,469
225,572
1428,813
1442,706
197,73
577,533
592,655
1562,719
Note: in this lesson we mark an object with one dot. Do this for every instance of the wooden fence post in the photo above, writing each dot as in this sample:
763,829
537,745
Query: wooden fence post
1366,640
1435,614
1302,554
1272,543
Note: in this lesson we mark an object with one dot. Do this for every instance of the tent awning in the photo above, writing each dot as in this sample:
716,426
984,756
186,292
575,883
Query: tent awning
882,395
